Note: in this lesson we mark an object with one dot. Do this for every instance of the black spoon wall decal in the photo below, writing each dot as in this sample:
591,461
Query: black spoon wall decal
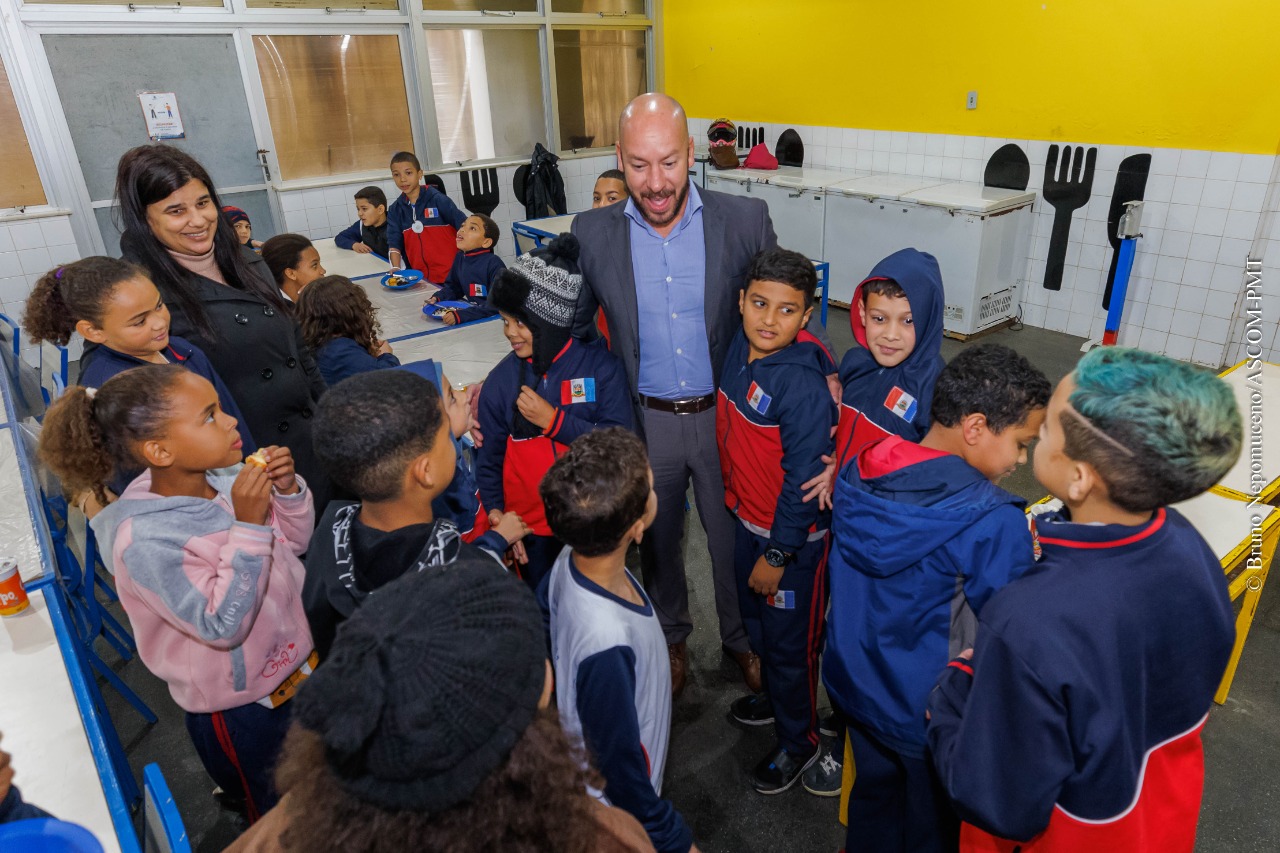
1008,168
1131,184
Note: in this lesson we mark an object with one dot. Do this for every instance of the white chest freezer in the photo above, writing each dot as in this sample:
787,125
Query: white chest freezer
980,235
796,199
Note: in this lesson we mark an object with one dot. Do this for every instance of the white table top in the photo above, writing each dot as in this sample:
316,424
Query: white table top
551,225
466,353
42,728
346,262
1238,378
1223,522
17,532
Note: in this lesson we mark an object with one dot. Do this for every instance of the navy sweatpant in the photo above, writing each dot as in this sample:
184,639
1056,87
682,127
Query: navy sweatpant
239,748
542,552
897,804
787,635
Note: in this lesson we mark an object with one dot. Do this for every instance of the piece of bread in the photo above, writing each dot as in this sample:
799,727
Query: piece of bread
258,458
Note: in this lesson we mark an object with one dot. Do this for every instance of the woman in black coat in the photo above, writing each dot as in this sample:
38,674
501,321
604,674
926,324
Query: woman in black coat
222,298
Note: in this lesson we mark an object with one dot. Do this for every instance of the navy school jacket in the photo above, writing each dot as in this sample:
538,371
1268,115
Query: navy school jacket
339,358
103,363
882,401
469,280
375,238
431,249
589,390
1077,725
921,541
773,424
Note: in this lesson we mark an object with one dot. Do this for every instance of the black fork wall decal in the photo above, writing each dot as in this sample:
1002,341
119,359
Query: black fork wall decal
1066,189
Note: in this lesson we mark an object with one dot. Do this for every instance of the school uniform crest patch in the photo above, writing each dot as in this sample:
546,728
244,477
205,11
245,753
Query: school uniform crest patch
478,290
783,599
577,391
757,399
901,404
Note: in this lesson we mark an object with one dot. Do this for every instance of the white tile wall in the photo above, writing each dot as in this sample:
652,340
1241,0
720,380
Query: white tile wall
30,247
1206,212
324,212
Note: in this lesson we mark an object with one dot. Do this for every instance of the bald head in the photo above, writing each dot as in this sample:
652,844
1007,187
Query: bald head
652,109
655,153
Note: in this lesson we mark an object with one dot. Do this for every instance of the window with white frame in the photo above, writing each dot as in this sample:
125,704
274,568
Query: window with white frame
20,186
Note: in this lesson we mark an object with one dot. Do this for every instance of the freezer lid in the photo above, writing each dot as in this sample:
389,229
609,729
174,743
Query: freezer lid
808,178
741,175
892,187
971,198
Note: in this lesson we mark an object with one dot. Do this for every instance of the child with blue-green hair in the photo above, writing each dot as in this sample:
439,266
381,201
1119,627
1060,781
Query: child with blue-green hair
1074,723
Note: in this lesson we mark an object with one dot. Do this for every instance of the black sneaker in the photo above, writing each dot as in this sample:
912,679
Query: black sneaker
779,770
824,778
754,709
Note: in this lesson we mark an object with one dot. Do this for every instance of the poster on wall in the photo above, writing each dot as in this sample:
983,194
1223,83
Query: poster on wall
160,110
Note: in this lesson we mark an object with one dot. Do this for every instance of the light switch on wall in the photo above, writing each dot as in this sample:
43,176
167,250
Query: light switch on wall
971,103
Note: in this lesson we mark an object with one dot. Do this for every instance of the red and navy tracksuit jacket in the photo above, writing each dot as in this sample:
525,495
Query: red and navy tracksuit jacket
882,401
430,250
921,540
1076,727
773,424
469,280
589,390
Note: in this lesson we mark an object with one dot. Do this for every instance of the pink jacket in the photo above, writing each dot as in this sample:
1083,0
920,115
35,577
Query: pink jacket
215,603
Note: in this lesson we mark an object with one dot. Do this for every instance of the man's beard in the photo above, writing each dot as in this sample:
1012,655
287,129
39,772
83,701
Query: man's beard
672,212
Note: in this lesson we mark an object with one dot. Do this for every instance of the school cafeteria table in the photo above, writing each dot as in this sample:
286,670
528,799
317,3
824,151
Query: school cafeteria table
47,713
1249,383
467,352
353,265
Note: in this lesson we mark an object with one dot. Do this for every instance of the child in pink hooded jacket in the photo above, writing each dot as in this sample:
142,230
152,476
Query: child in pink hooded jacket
205,552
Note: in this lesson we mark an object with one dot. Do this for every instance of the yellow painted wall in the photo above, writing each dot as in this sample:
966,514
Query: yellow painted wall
1162,73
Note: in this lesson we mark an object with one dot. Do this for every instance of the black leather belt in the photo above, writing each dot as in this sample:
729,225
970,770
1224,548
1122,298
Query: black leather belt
691,406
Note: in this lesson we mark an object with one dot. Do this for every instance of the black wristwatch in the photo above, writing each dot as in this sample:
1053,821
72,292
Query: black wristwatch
777,557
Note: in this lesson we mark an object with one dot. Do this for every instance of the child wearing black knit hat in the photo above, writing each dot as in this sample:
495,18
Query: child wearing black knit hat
549,390
428,729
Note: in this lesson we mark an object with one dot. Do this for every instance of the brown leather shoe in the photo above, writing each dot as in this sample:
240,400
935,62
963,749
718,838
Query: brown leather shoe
679,668
749,663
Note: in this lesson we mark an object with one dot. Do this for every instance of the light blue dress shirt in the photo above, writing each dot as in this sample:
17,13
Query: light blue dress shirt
670,275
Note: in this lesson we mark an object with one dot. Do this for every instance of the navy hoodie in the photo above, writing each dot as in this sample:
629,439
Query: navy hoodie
589,391
340,358
100,363
773,425
921,541
375,238
880,401
469,280
1077,724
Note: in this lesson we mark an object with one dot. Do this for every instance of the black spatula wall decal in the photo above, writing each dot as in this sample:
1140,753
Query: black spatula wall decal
1008,168
1066,189
1131,184
480,190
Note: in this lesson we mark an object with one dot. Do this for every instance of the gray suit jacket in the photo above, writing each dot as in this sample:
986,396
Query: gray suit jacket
735,230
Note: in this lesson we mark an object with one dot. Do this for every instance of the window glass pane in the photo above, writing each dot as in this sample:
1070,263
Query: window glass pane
487,86
123,2
478,5
632,7
393,5
337,103
20,185
597,73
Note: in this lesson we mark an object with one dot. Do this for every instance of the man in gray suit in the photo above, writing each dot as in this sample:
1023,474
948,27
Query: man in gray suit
666,268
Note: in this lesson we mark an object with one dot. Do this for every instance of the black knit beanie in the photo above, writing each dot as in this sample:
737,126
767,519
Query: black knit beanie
429,686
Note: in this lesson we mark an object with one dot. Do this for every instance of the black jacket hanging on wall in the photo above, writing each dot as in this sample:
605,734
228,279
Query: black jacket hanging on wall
544,193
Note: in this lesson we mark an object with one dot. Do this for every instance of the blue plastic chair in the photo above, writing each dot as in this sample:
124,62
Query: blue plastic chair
163,829
47,835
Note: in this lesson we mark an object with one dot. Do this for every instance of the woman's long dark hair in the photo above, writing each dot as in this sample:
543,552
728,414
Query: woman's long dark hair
148,174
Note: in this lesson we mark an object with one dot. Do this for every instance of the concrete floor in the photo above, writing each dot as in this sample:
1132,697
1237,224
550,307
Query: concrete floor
709,755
